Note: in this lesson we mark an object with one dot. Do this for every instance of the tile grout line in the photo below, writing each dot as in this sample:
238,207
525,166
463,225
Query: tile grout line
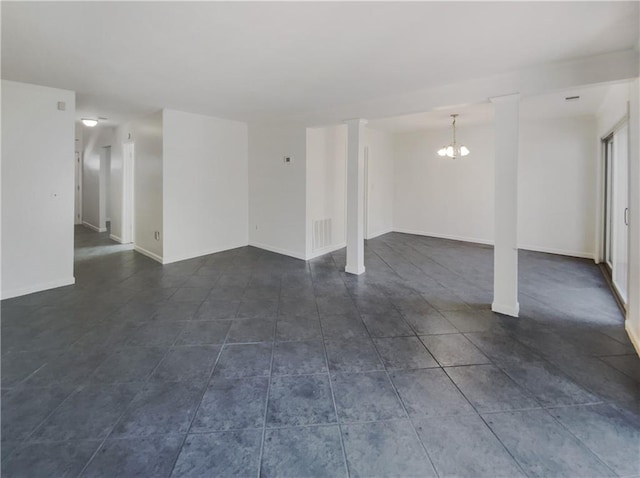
269,377
386,372
333,398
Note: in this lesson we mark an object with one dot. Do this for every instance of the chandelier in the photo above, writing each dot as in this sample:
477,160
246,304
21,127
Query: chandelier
453,150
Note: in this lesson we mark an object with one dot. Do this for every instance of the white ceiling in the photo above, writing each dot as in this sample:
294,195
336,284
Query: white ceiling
249,60
552,105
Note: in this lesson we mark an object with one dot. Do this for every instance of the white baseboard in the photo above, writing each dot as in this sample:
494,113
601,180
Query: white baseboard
8,294
379,233
326,250
113,237
635,339
205,252
277,250
147,253
513,311
94,228
560,252
444,236
489,242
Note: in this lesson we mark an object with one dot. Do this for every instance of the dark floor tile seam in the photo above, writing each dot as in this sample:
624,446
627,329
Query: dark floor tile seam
333,397
575,437
461,277
617,369
129,405
487,425
398,398
266,407
197,408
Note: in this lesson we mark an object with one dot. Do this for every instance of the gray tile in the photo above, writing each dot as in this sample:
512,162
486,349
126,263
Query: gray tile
257,308
23,409
431,323
44,460
297,358
300,400
190,294
404,353
228,454
343,326
489,389
429,393
251,330
297,328
475,320
464,446
502,348
215,308
363,397
336,306
202,332
160,408
547,384
232,405
129,364
89,413
153,456
187,363
305,451
244,360
612,433
627,364
298,307
542,446
386,325
388,448
453,349
17,366
156,334
176,311
354,355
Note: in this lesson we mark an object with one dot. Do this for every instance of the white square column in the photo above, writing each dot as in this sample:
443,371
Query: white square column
355,196
505,253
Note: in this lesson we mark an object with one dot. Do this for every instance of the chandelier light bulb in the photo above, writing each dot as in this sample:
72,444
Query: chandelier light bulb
453,150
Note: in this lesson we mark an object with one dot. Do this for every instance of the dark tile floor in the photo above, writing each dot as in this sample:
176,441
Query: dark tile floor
249,363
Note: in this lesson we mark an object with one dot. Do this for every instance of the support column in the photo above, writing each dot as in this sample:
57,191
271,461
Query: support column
505,253
355,196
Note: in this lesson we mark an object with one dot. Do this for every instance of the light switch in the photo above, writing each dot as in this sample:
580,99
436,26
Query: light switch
62,105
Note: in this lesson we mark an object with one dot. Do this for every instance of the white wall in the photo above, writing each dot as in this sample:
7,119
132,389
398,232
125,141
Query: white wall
326,183
277,191
557,197
454,198
37,188
146,134
441,197
95,170
205,185
380,182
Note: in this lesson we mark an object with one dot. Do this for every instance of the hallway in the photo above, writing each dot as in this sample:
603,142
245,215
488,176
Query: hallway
248,363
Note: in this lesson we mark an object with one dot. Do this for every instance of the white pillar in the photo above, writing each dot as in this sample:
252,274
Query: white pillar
505,254
355,196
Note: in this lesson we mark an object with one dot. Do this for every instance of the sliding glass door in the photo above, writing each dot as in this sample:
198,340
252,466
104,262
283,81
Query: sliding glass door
616,227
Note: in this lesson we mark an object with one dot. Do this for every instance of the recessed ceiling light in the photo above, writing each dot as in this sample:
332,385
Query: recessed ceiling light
89,122
571,98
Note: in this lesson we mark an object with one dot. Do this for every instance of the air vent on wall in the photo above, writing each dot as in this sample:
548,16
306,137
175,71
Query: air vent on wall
572,98
321,234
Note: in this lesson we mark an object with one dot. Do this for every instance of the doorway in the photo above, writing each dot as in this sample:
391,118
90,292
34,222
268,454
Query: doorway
616,208
128,215
78,190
